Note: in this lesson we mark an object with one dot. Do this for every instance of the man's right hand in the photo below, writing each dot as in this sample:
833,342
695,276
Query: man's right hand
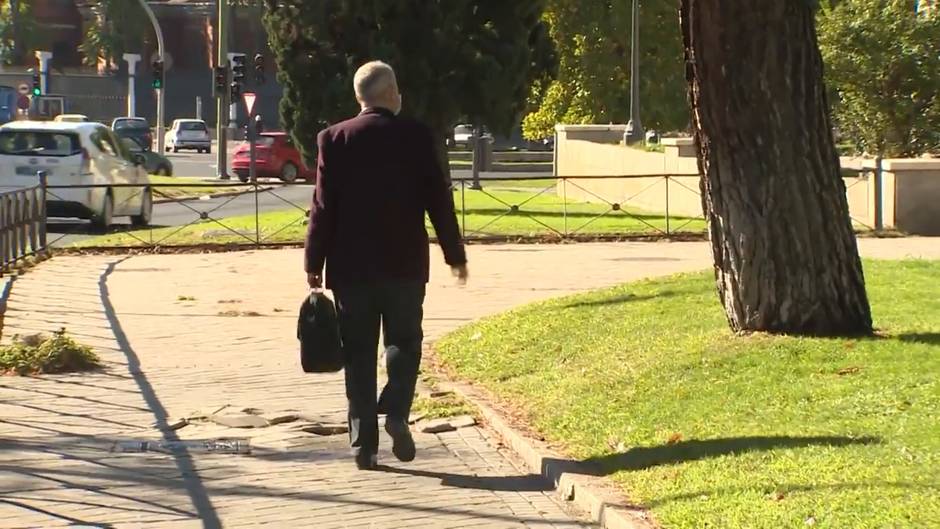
461,273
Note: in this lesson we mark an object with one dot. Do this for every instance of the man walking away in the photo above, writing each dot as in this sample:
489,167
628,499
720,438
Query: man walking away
377,175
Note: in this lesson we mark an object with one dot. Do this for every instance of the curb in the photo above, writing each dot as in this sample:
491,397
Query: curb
594,495
210,197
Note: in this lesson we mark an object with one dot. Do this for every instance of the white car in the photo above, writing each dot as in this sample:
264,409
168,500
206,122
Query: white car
77,155
71,118
463,135
189,134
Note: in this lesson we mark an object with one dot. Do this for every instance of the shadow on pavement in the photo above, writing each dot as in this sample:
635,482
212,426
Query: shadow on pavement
184,462
529,483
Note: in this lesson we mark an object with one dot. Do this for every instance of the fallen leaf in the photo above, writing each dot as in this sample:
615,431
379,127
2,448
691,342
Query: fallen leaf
811,521
848,370
674,438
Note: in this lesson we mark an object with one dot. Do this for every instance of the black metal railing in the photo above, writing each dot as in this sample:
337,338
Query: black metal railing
573,207
273,213
259,214
22,224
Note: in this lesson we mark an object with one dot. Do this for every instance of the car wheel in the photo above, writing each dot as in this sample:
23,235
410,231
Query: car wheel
104,218
146,211
176,150
289,173
163,171
208,150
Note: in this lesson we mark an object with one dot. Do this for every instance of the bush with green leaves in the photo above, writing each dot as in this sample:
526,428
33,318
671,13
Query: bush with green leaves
41,354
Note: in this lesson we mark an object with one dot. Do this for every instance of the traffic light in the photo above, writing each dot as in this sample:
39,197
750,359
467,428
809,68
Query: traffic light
37,84
234,91
221,80
238,69
157,82
259,69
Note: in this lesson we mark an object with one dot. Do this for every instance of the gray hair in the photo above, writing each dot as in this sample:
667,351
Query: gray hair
372,80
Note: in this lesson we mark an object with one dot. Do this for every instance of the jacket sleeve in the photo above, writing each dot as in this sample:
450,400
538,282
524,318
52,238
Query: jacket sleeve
439,203
322,225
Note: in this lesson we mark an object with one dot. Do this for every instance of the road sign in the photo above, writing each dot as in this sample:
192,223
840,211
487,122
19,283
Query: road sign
23,88
250,98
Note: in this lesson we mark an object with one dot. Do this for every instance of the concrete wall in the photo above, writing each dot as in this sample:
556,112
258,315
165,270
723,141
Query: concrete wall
594,150
911,195
591,150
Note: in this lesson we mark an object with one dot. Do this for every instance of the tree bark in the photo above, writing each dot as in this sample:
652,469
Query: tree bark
786,257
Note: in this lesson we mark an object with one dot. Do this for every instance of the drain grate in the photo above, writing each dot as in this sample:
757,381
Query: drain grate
222,445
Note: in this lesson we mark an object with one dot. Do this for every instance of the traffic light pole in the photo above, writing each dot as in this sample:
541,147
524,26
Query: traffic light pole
161,92
221,130
252,138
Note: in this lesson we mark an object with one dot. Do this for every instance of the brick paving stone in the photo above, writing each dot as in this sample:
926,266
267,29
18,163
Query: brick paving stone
166,359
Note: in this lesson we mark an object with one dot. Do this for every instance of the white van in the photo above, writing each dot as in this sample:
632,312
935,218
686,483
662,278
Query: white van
77,154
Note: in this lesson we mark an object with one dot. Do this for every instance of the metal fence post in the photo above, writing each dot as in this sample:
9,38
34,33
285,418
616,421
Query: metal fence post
564,202
43,211
3,234
463,208
667,206
879,195
257,214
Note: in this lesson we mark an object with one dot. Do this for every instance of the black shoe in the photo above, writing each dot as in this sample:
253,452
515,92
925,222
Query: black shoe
403,446
366,461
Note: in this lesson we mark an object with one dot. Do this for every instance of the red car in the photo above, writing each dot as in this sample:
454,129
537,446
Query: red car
275,157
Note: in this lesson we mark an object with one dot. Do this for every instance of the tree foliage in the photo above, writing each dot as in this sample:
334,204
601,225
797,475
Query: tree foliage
120,25
883,65
455,59
593,42
21,40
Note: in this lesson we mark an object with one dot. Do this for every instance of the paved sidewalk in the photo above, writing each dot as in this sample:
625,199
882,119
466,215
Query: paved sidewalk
182,333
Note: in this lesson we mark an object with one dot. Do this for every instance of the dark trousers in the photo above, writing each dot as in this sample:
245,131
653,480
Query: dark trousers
398,308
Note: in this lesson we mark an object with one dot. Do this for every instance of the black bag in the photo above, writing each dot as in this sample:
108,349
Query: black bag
321,349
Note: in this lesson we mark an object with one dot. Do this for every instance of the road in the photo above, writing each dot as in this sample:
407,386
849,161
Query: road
191,164
64,232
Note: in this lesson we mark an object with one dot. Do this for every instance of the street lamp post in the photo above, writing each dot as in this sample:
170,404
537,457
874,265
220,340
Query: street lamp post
161,92
634,132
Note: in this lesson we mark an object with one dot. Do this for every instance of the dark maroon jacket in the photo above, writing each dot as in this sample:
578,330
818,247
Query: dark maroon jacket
377,175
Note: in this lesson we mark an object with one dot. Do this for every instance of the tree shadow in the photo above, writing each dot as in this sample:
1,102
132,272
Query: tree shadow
527,483
618,300
645,457
789,488
927,338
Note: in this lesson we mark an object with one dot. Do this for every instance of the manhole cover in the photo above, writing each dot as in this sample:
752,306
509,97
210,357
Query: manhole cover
241,446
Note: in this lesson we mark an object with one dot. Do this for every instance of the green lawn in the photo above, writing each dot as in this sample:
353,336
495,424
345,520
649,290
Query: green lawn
711,430
482,213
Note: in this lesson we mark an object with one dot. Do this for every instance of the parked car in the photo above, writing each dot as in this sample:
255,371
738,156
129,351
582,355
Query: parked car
77,154
154,162
463,135
8,99
189,134
275,157
135,128
71,118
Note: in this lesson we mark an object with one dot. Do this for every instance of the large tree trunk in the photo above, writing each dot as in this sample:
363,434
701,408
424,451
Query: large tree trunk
786,258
